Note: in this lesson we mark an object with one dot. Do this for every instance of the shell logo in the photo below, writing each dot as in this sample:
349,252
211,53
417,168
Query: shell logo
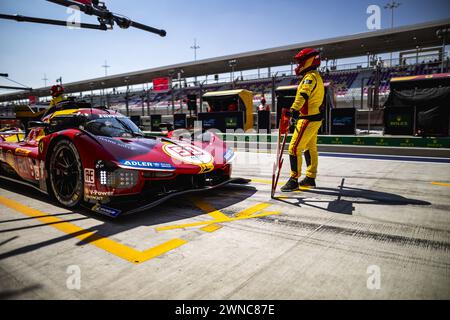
187,153
22,152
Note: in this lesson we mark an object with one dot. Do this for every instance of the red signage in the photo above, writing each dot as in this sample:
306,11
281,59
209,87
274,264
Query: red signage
161,84
32,99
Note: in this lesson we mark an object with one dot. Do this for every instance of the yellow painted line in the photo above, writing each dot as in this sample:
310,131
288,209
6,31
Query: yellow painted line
159,250
278,184
211,228
252,210
213,212
266,181
202,223
218,215
441,184
115,248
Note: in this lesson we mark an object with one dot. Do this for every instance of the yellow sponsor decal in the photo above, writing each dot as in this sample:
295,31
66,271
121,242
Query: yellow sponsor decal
205,168
22,152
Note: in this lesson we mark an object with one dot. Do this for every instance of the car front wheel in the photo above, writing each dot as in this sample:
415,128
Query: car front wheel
65,174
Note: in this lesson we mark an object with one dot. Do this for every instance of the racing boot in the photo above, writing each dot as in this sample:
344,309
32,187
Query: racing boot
308,182
290,186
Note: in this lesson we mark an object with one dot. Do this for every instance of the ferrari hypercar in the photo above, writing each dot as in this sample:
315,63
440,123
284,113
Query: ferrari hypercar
97,157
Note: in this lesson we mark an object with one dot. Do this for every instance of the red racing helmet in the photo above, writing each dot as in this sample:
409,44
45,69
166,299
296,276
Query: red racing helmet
56,90
307,59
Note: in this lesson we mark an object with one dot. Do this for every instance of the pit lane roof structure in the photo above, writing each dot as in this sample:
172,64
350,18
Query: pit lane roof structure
373,42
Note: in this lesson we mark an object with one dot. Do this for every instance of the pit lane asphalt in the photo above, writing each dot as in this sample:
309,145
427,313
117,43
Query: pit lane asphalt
391,219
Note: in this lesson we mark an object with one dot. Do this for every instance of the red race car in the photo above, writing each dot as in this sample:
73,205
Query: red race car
100,158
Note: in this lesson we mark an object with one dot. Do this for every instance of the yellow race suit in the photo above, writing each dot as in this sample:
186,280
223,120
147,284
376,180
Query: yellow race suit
57,100
309,98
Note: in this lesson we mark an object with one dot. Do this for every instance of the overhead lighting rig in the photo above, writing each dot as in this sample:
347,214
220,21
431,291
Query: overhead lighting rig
106,18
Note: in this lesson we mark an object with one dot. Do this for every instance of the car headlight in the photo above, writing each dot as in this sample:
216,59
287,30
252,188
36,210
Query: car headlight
229,155
126,178
114,177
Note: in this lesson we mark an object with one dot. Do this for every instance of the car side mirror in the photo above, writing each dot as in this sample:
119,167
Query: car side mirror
38,124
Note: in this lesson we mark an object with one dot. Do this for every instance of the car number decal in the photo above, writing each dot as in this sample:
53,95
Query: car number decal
188,154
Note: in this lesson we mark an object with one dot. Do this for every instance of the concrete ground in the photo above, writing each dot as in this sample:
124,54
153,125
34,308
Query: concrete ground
384,235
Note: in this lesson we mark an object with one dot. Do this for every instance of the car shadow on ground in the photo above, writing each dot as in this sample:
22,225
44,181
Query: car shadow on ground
352,196
14,293
171,211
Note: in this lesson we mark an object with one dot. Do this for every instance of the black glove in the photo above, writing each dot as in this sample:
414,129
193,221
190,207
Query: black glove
293,121
292,113
288,113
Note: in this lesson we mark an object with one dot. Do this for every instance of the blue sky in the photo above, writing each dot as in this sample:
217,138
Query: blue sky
220,26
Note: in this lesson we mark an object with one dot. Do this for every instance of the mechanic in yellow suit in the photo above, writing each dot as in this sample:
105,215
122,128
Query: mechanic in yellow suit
57,93
309,98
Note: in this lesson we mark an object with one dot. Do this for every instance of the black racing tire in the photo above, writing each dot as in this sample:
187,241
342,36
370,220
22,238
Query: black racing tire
66,174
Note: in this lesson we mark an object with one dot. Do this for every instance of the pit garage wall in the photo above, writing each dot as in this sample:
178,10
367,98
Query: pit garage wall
405,142
396,146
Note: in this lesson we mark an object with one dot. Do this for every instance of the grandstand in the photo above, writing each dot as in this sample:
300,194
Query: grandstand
347,84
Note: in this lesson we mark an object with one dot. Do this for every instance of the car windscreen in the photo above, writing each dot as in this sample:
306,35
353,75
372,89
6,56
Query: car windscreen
113,126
